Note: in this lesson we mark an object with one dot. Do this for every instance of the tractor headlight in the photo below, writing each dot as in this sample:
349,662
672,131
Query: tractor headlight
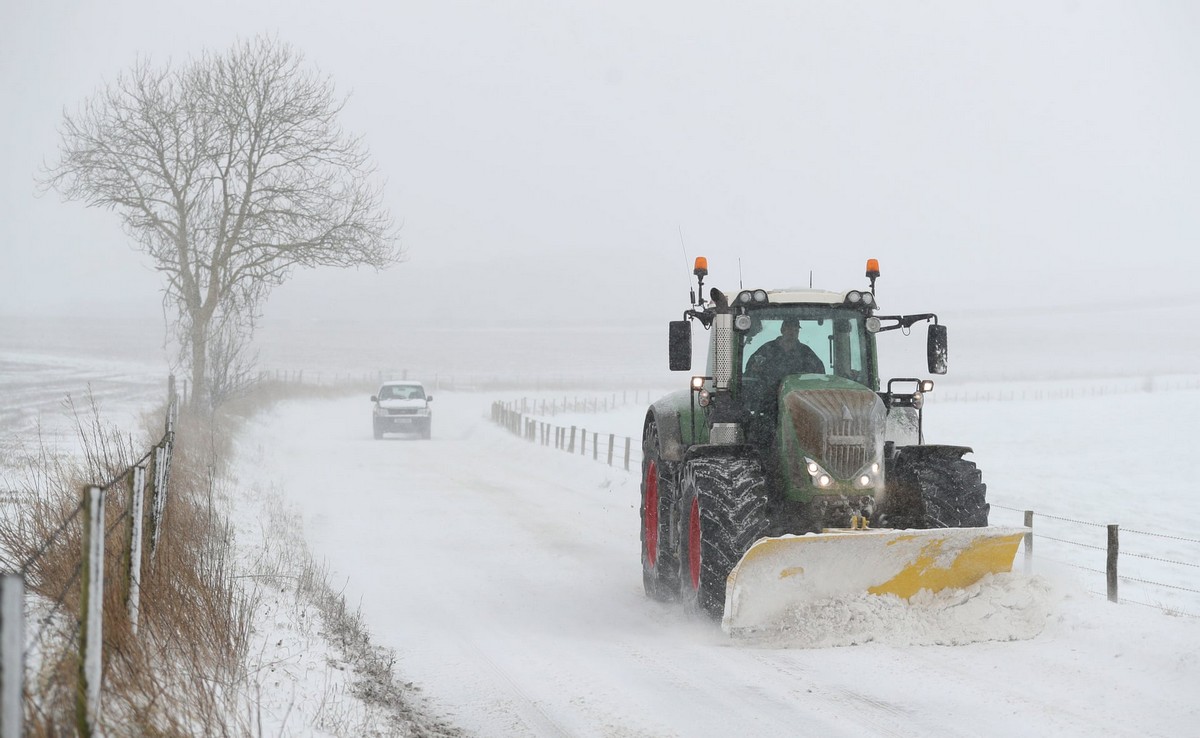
854,297
873,324
868,299
820,477
760,295
743,322
744,297
703,398
868,476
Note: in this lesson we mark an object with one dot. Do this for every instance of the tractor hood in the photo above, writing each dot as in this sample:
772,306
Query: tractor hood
837,423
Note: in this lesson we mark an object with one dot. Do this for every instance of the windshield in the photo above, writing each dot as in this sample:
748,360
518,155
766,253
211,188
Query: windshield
401,392
836,336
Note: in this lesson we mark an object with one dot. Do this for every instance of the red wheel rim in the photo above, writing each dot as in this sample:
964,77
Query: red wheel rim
650,514
694,544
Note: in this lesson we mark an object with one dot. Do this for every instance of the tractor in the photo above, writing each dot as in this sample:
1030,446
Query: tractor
789,471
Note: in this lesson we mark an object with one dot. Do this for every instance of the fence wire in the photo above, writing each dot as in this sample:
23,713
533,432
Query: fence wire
48,619
50,540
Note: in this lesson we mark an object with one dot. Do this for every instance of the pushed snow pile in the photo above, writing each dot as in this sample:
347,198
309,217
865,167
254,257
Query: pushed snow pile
999,607
782,573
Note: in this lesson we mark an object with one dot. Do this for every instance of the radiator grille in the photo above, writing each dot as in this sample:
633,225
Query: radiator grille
842,427
846,447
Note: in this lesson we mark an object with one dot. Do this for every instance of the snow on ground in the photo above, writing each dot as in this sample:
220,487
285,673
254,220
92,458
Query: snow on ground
505,577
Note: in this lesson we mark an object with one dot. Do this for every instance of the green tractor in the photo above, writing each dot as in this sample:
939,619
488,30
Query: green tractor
785,473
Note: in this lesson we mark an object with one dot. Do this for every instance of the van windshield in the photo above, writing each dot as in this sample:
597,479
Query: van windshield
402,392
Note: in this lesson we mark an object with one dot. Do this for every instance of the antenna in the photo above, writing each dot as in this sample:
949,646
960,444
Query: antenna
686,265
810,279
740,285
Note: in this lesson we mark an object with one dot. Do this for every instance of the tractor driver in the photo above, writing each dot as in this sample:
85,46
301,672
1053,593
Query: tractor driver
783,356
766,369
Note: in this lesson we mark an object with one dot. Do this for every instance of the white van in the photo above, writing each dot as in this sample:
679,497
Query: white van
402,407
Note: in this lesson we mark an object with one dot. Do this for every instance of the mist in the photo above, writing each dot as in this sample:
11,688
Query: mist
556,167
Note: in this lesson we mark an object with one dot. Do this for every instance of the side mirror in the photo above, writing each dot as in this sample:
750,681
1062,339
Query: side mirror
937,349
680,345
429,398
374,398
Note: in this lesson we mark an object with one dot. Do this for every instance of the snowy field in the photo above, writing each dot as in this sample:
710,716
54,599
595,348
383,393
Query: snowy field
506,577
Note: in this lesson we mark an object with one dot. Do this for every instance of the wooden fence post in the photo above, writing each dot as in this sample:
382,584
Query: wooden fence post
1029,542
158,502
12,654
155,496
170,403
136,506
595,446
91,636
571,444
627,444
1112,563
611,439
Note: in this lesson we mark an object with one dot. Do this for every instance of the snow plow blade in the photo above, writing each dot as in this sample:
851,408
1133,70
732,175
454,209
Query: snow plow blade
778,574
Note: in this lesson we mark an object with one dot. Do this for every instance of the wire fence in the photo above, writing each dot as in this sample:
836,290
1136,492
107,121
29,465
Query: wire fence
1065,389
71,620
524,418
452,382
1157,569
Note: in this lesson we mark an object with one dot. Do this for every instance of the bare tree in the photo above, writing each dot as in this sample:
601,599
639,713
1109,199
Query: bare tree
229,171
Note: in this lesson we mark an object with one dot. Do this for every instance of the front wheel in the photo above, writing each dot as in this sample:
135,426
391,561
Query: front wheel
378,429
660,561
724,508
934,490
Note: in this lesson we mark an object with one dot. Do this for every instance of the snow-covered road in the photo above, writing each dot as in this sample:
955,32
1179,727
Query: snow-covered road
506,578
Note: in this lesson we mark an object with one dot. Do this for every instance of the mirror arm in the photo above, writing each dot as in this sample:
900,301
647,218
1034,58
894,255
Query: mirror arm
905,321
704,316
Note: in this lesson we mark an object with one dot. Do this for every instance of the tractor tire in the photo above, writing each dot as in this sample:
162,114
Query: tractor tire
378,430
660,491
934,491
724,510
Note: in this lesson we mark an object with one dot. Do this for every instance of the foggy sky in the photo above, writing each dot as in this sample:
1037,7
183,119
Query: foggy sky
543,158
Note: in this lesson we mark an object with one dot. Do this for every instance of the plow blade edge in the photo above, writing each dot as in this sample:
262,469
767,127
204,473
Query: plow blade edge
778,574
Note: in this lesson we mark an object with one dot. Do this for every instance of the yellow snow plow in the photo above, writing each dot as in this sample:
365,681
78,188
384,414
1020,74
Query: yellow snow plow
778,574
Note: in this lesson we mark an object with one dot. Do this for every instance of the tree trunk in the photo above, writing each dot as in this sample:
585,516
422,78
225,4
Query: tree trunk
199,341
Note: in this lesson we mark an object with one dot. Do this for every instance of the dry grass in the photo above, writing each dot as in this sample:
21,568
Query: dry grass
174,677
186,672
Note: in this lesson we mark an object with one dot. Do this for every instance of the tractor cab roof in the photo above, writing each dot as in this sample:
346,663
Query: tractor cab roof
796,294
799,295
